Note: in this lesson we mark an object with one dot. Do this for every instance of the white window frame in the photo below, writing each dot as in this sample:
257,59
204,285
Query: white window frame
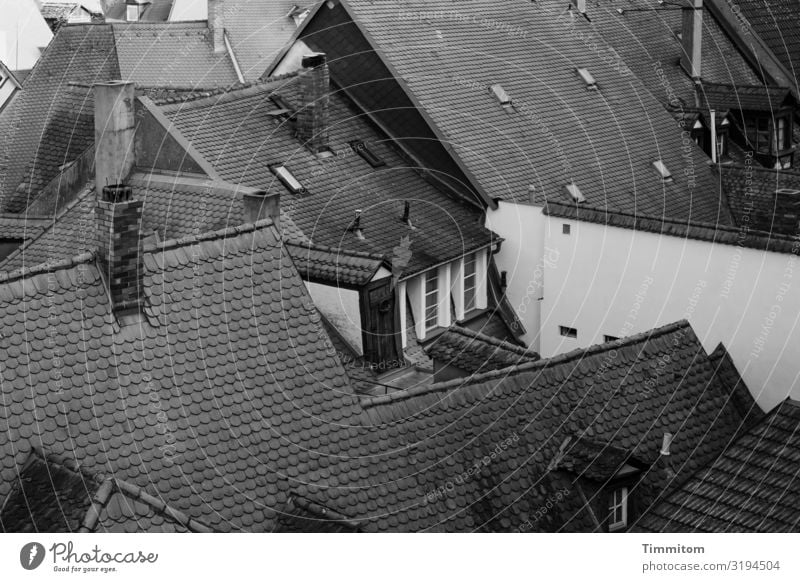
133,12
474,286
618,502
436,301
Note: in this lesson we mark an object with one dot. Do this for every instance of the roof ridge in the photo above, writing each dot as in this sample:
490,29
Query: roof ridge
47,267
526,366
495,341
338,250
229,232
232,92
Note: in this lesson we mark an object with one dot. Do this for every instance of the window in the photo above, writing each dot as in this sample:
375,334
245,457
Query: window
575,192
470,282
371,157
618,509
133,12
287,179
431,300
565,229
587,78
501,95
661,168
610,338
758,134
568,331
780,139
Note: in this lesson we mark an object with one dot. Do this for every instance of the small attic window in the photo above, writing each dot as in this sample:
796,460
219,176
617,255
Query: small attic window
575,192
361,148
666,175
501,95
587,78
287,179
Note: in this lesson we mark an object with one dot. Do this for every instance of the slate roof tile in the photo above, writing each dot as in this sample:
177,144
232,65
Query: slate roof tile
751,487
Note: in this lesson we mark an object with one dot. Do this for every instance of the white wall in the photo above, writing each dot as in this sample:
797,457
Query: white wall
26,33
617,282
340,306
189,10
522,256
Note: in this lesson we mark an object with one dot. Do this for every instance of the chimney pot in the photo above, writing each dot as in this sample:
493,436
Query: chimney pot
692,39
666,443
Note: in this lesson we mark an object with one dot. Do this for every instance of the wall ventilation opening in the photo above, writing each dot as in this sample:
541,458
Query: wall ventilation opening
568,331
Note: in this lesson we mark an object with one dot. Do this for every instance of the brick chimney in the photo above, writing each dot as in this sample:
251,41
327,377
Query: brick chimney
312,116
259,205
118,217
216,24
692,39
114,131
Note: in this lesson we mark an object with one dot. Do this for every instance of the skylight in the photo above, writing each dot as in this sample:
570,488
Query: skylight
361,148
666,175
575,192
287,179
500,94
587,78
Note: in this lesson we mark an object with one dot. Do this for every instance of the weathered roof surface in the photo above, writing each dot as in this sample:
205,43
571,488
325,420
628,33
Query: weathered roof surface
557,131
753,486
740,395
646,35
241,136
590,459
56,10
223,400
155,11
476,352
326,264
19,226
432,440
174,207
54,495
710,232
777,22
755,200
50,119
305,516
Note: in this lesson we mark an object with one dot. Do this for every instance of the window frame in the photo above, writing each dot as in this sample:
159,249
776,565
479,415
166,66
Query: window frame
566,331
431,312
285,176
621,505
470,304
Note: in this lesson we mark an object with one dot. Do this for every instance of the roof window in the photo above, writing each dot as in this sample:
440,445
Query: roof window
361,148
287,179
666,175
501,95
575,192
587,78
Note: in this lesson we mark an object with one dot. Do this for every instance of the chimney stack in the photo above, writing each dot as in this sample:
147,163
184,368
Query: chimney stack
114,131
312,117
259,205
692,39
216,24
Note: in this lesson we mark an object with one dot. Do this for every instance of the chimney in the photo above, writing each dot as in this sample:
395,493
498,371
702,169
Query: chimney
692,39
259,205
312,117
114,130
119,218
216,24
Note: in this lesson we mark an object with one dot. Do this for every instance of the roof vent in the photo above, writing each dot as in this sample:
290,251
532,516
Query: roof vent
666,443
501,95
666,175
355,226
575,192
587,78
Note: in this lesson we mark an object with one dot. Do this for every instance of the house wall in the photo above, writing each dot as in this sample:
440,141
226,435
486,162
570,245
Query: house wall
341,307
523,257
189,10
618,282
23,33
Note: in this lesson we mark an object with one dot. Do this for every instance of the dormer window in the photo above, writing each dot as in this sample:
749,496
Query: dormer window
500,94
587,78
287,179
661,168
134,10
618,509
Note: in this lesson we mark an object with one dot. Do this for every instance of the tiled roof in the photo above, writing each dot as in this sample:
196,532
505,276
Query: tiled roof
305,516
56,10
557,130
740,395
510,424
326,264
156,11
755,201
753,486
777,22
646,34
174,207
221,402
745,97
590,459
54,495
241,136
19,226
475,352
727,235
50,119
